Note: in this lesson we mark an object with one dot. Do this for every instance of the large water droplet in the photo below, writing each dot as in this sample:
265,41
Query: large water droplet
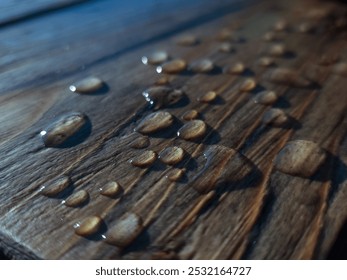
235,69
208,97
161,96
144,159
202,66
175,174
187,40
287,77
190,115
87,85
56,186
89,226
140,142
77,199
193,130
248,85
223,166
275,117
111,189
125,230
62,129
173,66
300,158
155,122
154,58
266,97
171,155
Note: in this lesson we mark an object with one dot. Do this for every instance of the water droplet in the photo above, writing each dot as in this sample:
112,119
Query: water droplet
226,48
300,158
266,61
171,155
175,174
164,80
155,122
225,35
223,165
270,36
87,85
287,77
62,129
144,159
328,59
154,58
208,97
202,66
125,230
281,25
266,97
190,115
237,69
187,40
140,142
162,96
248,85
192,130
89,226
77,199
56,186
275,117
173,66
277,50
111,189
340,69
306,27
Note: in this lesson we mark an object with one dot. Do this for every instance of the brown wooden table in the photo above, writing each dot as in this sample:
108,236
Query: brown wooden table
234,202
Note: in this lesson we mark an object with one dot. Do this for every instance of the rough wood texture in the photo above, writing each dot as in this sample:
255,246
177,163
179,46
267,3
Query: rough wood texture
255,213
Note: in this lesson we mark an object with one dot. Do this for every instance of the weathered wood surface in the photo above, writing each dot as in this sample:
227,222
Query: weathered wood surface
267,215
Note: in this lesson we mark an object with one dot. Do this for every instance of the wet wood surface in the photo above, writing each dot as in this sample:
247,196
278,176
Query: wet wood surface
232,202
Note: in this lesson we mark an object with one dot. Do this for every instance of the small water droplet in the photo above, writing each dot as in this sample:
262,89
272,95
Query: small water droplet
111,189
226,48
236,69
281,25
125,230
192,130
266,97
248,85
328,59
275,117
173,66
87,85
266,61
89,226
202,66
171,155
223,165
77,199
208,97
155,122
187,40
277,50
175,174
287,77
300,158
163,80
162,96
144,159
140,142
62,129
190,115
306,27
154,58
56,186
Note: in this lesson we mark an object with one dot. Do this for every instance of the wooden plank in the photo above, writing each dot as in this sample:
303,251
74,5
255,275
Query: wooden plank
266,214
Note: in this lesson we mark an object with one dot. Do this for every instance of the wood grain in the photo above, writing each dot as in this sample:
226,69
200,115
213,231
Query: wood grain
266,215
